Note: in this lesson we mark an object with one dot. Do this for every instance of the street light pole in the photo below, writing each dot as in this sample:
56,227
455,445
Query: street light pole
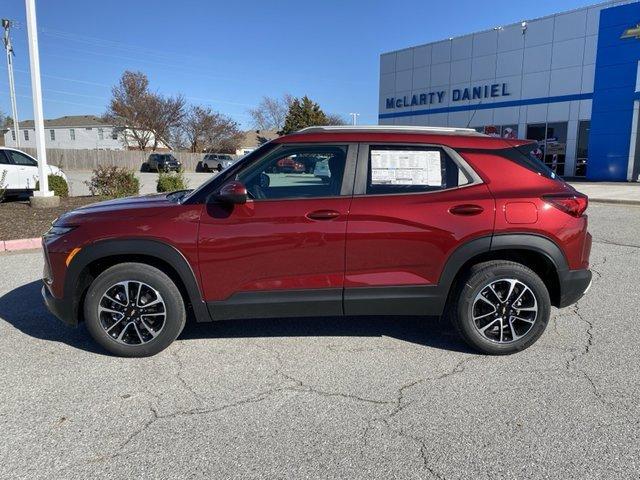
354,118
43,197
6,24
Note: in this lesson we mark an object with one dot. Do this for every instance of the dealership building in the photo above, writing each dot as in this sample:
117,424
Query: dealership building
571,81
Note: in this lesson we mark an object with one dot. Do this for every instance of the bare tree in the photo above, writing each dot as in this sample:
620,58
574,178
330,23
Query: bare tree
206,130
129,108
144,118
271,112
167,114
336,119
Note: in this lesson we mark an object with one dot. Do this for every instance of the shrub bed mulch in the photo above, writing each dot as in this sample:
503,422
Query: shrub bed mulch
18,220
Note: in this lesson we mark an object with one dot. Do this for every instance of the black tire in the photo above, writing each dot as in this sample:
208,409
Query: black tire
175,317
219,168
461,308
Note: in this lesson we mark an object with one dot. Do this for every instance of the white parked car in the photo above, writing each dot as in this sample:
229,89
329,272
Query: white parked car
22,171
321,170
217,161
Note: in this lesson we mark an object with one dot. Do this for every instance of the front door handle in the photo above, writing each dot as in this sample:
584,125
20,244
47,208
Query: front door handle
323,215
466,210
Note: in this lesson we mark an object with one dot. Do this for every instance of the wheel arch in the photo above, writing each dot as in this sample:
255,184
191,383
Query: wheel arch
93,259
539,253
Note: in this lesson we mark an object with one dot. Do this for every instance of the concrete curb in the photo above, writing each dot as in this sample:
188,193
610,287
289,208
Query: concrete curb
20,244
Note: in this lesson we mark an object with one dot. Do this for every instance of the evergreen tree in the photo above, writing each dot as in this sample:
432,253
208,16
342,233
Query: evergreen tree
303,112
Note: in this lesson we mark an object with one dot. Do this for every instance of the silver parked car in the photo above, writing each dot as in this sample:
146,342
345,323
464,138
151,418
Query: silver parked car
217,161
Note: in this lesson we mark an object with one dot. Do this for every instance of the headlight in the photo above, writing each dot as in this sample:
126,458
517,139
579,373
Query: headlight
56,231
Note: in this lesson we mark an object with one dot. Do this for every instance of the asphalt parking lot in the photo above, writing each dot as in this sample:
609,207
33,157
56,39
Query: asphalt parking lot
310,398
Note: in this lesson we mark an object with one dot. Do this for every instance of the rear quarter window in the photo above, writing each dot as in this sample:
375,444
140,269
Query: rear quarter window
412,169
529,156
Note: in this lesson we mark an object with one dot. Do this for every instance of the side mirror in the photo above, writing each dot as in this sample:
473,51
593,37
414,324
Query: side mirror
233,192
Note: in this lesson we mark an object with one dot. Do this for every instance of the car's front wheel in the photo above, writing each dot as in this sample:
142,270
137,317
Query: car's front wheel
500,307
134,310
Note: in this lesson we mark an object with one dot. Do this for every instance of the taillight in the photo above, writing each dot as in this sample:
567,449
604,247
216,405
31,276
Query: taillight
572,203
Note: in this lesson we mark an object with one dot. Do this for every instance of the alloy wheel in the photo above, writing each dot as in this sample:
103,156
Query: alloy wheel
132,312
504,310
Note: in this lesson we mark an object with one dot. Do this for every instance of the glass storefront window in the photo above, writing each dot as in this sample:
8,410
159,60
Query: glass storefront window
503,131
509,131
553,143
582,151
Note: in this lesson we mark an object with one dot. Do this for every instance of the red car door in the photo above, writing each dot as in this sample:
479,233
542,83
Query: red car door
413,206
281,253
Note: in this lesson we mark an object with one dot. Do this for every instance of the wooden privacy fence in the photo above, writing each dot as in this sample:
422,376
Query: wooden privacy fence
90,159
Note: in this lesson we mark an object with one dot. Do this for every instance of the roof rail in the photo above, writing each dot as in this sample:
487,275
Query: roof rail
391,128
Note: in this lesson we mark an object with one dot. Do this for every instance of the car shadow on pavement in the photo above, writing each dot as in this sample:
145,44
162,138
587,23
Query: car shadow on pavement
426,331
24,309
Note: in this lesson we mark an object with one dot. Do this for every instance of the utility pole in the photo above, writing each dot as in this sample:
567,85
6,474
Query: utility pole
43,197
354,117
6,24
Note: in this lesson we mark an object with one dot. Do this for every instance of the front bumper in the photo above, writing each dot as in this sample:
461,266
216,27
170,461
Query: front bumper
573,285
63,310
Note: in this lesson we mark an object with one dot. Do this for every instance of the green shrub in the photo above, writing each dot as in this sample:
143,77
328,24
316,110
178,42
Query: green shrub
58,185
113,182
170,182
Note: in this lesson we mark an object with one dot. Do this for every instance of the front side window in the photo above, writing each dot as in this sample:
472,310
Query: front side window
403,169
289,173
72,134
21,159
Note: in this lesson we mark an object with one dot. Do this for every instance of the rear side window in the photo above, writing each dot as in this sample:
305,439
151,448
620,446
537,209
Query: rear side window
410,169
530,157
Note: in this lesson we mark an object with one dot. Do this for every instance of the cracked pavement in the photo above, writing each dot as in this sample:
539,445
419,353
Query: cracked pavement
330,398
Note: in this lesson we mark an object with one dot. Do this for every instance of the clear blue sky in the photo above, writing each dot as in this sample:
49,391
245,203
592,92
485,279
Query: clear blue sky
229,54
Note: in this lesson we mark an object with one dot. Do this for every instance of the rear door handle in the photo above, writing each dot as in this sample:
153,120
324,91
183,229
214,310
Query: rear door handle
466,210
323,215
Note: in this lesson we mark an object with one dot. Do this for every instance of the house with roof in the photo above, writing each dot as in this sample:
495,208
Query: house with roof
253,139
76,132
68,132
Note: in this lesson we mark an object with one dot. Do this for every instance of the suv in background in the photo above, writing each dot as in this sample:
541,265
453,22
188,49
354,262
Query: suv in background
21,171
413,221
217,161
161,162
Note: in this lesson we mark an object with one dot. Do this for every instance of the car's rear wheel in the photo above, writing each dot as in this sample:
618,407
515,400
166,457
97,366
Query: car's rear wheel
134,310
500,307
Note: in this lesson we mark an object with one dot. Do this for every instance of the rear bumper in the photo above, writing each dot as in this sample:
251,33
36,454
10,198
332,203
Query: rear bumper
62,309
573,285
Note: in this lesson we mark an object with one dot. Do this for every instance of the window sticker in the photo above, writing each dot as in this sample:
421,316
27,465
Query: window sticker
402,167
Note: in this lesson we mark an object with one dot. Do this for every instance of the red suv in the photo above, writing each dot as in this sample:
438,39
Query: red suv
414,221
